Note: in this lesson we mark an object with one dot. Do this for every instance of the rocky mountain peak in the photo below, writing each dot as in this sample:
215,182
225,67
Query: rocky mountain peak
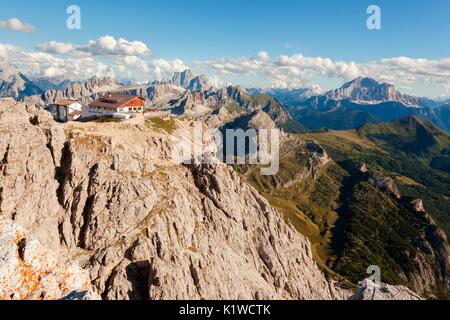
369,91
369,290
168,232
187,79
14,84
78,90
287,96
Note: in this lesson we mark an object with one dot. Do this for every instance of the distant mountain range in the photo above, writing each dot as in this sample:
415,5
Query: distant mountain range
375,194
358,102
369,91
364,101
190,81
287,97
14,84
372,195
52,83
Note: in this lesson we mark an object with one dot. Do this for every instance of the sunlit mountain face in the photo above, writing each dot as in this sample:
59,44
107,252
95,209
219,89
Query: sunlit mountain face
218,150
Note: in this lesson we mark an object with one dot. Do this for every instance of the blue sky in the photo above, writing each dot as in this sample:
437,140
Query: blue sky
207,30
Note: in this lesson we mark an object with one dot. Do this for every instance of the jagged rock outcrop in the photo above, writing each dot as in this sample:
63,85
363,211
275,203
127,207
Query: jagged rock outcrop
84,89
141,225
14,84
30,271
85,92
361,167
52,83
287,96
434,247
191,104
253,120
218,117
319,156
190,81
369,290
30,151
384,183
367,90
377,179
260,120
417,205
175,232
164,92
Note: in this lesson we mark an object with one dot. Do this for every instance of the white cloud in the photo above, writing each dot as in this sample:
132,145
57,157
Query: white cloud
107,45
50,63
42,64
8,50
300,71
115,58
103,46
132,61
216,82
57,48
17,25
163,69
263,55
155,69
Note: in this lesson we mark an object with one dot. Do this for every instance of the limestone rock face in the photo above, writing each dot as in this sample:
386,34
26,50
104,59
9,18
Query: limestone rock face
368,290
108,197
79,90
319,156
384,183
190,81
417,205
30,152
361,168
367,90
176,232
14,84
29,271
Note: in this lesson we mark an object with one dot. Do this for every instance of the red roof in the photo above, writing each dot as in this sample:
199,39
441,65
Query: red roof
65,102
114,100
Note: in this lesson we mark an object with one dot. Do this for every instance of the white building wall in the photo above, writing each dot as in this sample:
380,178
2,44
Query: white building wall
97,111
88,111
62,113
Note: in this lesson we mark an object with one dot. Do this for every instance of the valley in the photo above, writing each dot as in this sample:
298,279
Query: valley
348,207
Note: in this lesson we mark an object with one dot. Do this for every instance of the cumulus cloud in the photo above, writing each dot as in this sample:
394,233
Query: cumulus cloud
132,61
57,48
124,60
42,64
263,55
163,69
8,50
17,25
301,71
155,69
58,60
103,46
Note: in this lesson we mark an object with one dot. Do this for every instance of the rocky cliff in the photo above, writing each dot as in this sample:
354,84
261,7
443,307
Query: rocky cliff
367,90
190,81
368,290
107,198
85,92
14,84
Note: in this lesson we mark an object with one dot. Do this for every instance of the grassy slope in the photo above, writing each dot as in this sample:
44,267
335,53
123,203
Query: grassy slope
380,226
392,149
